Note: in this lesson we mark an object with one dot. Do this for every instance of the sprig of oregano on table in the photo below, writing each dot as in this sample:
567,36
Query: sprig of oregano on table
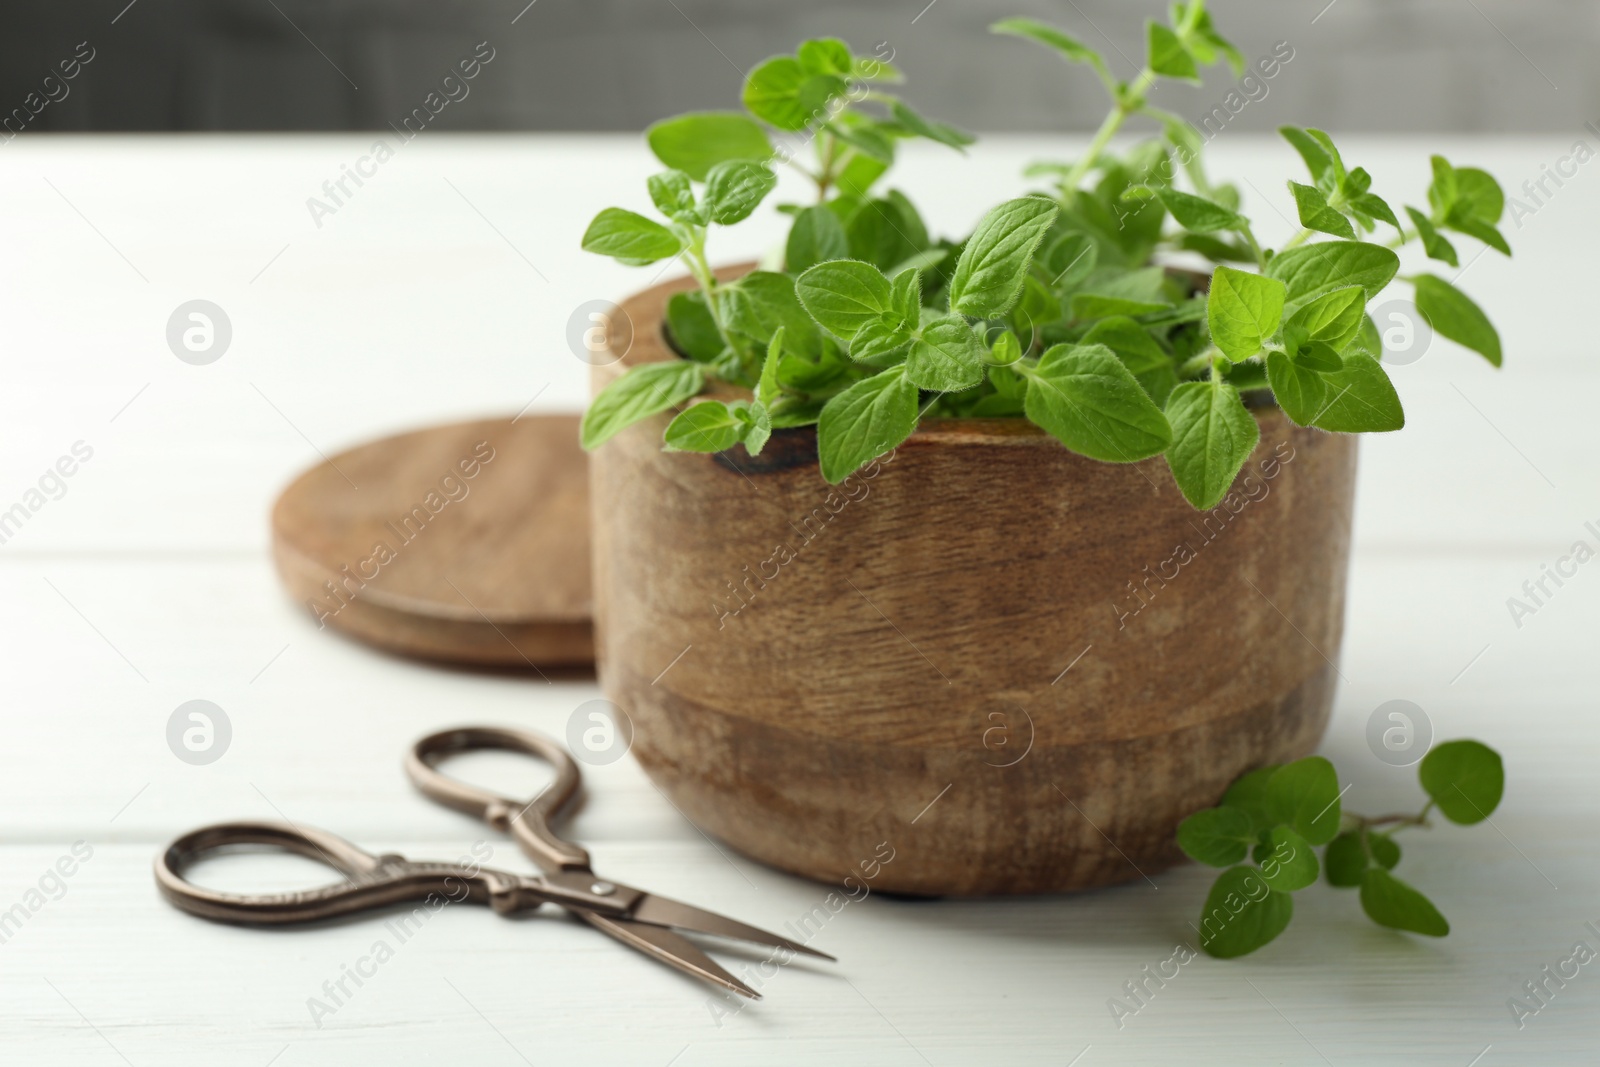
1063,307
1279,815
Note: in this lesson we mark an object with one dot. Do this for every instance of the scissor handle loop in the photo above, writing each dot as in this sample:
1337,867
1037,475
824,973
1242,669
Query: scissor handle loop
530,821
370,881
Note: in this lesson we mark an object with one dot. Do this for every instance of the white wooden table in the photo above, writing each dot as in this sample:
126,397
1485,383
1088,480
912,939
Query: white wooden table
442,290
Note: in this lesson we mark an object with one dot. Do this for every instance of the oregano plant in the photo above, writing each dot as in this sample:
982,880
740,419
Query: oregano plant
754,329
1278,816
1076,307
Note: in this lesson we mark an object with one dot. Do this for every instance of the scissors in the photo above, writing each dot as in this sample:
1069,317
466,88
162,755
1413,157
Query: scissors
641,920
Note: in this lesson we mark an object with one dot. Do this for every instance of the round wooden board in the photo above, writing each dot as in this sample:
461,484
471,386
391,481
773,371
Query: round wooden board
467,543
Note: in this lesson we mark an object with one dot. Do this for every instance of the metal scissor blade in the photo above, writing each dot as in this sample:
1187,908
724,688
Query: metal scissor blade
669,948
661,911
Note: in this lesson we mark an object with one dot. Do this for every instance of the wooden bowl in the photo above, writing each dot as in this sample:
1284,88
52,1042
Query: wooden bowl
1010,668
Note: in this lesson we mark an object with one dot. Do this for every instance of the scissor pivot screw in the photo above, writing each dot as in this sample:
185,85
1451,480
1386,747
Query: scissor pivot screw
602,889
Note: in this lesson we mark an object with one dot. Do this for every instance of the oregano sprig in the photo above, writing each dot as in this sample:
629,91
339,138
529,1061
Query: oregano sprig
1271,820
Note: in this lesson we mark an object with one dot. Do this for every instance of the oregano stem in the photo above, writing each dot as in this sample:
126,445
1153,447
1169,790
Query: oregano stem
1125,101
1397,820
707,281
825,178
1195,166
1217,362
1255,246
1191,367
1299,239
1108,129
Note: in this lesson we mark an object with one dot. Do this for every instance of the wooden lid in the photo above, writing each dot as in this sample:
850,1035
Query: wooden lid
467,543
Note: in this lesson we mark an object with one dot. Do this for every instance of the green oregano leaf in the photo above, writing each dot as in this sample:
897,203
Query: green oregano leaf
873,69
1069,261
1038,308
1139,352
1290,863
696,142
905,296
693,331
1390,902
734,188
1243,310
843,295
630,237
1197,214
1465,779
1300,391
1334,318
641,392
704,427
1084,397
881,341
1375,207
1248,793
864,135
1344,860
825,55
1166,54
763,301
1316,159
1204,42
1336,173
946,356
886,231
1479,194
1242,914
673,195
1110,291
767,388
781,92
1312,270
757,425
1044,33
1319,356
1453,314
1317,215
858,176
865,421
933,131
992,265
1477,228
1436,246
1304,795
1219,837
1361,398
1005,351
1444,190
816,236
792,411
1212,435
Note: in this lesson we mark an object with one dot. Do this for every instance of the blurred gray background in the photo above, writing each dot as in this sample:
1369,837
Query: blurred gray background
1393,65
